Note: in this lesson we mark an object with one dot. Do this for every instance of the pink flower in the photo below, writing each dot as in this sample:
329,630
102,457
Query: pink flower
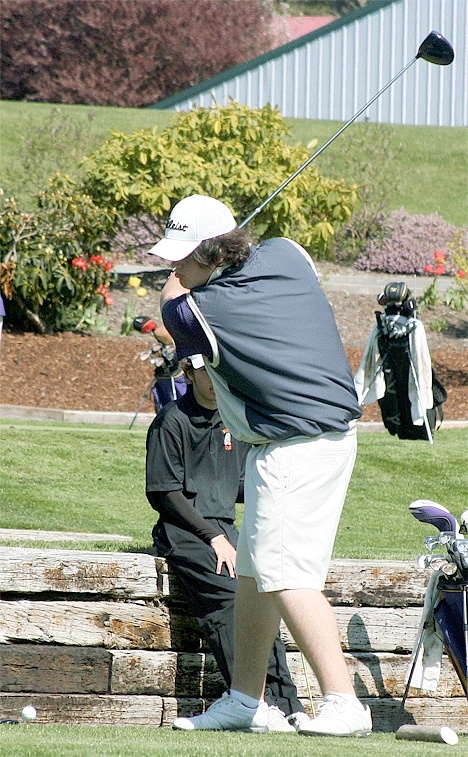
80,263
104,291
439,269
439,256
429,268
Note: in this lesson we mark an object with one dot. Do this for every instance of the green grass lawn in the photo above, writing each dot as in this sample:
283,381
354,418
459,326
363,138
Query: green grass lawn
91,478
105,741
432,165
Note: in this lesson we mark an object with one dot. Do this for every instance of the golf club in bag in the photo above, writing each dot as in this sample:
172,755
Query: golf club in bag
447,608
167,370
396,369
433,49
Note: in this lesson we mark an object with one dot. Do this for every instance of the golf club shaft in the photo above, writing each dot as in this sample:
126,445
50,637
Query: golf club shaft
321,149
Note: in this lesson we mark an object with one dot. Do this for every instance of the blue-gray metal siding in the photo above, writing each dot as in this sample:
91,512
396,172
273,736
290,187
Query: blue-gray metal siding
331,75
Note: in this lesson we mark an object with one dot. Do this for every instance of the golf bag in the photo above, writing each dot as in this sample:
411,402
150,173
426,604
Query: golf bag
450,615
444,624
404,383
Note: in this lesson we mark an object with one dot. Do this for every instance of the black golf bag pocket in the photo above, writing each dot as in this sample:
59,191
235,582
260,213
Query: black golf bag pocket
395,405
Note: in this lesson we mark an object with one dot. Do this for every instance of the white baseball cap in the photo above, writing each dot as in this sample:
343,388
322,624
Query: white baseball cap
192,220
197,361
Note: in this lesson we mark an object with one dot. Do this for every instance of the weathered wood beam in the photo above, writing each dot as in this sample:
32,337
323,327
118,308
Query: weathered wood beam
131,625
82,670
115,625
43,668
115,574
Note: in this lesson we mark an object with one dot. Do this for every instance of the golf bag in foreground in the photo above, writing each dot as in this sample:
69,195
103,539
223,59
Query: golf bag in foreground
444,622
396,369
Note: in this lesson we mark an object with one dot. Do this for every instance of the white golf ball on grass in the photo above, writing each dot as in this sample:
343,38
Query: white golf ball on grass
29,712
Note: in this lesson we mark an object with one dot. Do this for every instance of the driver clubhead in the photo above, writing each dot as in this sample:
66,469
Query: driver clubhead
427,511
436,49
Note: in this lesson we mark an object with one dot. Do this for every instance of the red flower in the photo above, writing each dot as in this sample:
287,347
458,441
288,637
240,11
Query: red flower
461,274
80,263
107,265
104,291
439,269
97,259
439,256
429,268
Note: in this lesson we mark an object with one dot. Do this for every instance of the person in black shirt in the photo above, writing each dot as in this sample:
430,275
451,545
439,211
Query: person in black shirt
194,472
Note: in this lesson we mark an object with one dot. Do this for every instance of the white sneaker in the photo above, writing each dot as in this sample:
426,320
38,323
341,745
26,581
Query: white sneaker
339,716
227,714
277,721
299,719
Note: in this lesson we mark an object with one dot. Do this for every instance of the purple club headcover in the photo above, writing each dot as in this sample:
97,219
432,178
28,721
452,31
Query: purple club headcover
436,515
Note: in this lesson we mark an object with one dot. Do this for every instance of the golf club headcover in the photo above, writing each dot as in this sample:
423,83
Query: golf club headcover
144,324
427,511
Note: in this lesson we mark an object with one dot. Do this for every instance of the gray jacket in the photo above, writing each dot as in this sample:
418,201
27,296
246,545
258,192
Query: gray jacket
279,366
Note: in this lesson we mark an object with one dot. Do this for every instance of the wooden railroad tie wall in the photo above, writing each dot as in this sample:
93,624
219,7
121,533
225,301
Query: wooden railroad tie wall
106,638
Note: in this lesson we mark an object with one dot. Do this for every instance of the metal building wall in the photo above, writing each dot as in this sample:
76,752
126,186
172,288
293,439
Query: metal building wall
332,75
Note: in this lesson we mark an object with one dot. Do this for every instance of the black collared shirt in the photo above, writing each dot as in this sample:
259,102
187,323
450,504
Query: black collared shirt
190,451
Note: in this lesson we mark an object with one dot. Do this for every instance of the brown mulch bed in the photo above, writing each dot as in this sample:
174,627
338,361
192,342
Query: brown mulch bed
74,371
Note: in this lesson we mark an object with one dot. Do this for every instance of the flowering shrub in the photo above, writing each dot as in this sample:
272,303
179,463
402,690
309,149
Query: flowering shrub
409,244
53,264
457,296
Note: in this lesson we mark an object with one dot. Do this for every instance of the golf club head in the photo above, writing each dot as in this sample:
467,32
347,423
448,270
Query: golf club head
427,511
464,522
436,49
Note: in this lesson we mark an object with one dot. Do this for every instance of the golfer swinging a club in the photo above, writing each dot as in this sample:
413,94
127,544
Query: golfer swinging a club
273,352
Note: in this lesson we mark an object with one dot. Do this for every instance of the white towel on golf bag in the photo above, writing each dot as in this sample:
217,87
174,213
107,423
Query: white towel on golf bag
419,351
428,662
369,380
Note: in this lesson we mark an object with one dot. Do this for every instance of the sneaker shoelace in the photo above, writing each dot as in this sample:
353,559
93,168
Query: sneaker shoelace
332,707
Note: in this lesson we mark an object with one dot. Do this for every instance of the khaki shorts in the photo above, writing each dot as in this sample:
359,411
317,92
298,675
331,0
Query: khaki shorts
294,495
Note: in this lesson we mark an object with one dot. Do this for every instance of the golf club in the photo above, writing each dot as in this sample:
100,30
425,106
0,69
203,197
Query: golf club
464,522
434,49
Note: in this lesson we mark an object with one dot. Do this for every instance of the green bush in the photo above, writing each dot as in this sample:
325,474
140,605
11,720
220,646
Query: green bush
53,269
234,153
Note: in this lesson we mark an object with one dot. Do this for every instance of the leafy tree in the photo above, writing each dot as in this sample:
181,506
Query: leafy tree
124,52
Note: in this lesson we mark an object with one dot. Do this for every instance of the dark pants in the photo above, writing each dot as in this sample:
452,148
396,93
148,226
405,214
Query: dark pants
210,597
